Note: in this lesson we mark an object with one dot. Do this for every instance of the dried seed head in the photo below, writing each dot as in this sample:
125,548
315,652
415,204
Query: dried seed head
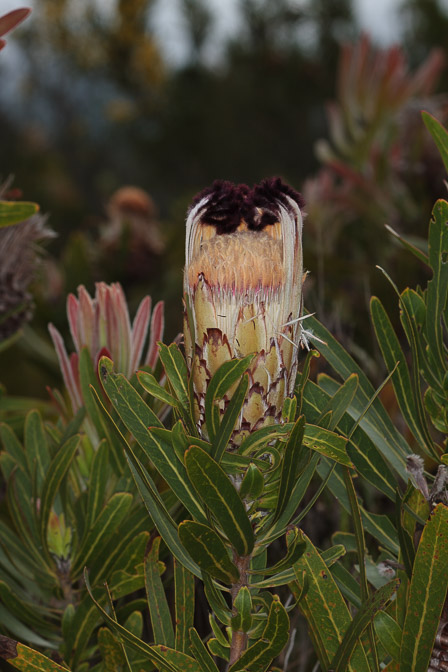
415,468
242,282
19,256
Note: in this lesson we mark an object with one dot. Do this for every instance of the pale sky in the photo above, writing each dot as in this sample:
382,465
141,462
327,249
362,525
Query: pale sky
378,17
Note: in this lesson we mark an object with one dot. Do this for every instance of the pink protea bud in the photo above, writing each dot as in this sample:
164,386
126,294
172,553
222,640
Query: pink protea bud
102,324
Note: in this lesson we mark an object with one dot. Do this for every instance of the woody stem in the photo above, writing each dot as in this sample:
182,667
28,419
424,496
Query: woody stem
239,638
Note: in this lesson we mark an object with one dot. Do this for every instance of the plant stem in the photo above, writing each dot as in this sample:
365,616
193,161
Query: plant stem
239,638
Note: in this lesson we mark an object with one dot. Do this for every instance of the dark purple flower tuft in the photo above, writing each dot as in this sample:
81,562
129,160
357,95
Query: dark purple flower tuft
223,209
229,203
265,197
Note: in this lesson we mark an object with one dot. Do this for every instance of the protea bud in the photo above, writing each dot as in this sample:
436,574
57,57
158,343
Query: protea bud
243,293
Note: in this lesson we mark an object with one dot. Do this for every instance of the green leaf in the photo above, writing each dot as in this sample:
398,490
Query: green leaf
151,385
395,359
217,649
162,519
427,593
216,600
25,659
216,490
380,527
82,625
439,135
151,498
252,484
125,398
263,436
295,549
159,611
184,605
13,447
324,608
437,292
13,212
227,425
340,401
155,441
127,546
347,584
327,443
111,653
56,472
389,633
201,654
176,371
406,543
166,659
112,515
36,447
295,458
417,246
242,603
258,657
298,493
208,550
97,482
225,377
364,453
363,618
376,421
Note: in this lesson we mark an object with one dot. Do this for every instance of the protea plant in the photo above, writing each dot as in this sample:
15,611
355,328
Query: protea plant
243,294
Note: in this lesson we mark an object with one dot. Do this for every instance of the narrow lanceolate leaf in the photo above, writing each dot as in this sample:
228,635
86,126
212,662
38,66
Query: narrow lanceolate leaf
159,611
340,401
295,458
389,633
376,421
36,447
225,377
437,292
427,593
395,359
243,605
439,134
176,371
364,616
150,496
166,659
258,657
216,490
325,610
56,472
135,414
104,527
184,605
23,658
150,384
201,654
327,443
208,551
228,422
12,212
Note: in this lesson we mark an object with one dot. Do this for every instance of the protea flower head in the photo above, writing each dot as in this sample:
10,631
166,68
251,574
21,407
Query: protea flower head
102,324
243,291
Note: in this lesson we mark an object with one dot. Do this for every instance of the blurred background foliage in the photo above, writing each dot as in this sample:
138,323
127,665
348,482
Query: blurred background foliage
112,140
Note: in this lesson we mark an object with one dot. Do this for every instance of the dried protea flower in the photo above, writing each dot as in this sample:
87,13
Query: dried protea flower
133,228
243,288
18,263
102,324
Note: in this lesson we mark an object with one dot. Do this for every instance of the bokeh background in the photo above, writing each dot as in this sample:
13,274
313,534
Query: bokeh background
114,113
